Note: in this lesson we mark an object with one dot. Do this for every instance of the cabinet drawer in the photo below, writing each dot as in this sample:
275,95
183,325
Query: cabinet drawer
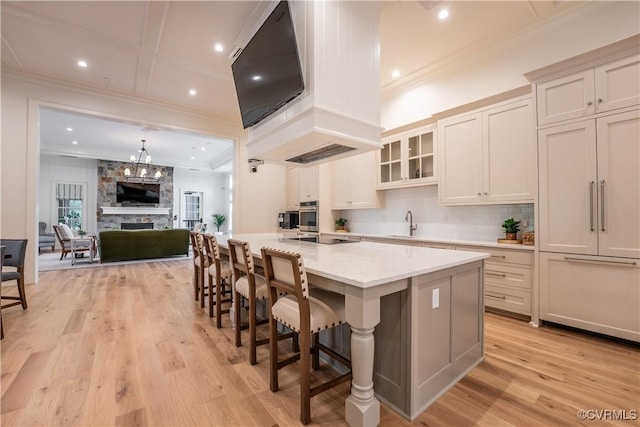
501,255
503,275
512,300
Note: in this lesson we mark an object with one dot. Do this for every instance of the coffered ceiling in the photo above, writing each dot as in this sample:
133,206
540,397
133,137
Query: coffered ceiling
157,51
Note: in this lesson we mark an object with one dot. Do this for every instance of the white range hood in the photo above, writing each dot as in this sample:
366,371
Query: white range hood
338,114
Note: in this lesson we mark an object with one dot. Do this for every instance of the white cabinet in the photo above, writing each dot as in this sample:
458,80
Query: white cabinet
408,159
303,185
595,90
594,293
486,157
589,183
353,183
293,190
508,279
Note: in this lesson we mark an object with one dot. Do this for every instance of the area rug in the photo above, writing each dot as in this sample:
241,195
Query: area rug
48,261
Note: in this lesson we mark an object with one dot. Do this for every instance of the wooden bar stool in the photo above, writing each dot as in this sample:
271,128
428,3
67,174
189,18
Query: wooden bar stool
219,277
305,314
251,286
199,265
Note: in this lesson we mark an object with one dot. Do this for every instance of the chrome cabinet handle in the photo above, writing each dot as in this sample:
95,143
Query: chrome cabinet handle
599,100
589,103
591,187
501,297
498,257
602,205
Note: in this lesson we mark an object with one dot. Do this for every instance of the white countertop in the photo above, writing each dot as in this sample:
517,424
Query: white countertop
423,239
361,264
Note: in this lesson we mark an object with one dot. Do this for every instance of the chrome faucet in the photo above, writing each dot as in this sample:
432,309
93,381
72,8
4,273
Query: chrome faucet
412,226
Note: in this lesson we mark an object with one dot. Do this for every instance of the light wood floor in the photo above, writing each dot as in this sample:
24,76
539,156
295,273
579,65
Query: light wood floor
127,345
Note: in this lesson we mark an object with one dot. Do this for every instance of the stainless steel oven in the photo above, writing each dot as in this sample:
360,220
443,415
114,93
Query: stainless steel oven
308,216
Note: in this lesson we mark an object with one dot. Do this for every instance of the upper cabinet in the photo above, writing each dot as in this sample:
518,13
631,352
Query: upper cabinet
353,183
408,159
488,156
303,185
594,90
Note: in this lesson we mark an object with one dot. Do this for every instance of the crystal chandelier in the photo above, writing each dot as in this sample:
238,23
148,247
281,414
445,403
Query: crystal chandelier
139,170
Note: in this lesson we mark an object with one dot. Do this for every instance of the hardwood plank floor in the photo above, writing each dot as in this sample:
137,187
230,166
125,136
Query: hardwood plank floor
127,345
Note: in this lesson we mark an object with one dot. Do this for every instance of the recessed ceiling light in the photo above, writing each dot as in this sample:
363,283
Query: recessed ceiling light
74,142
69,129
218,47
443,14
193,157
203,149
192,92
82,63
395,74
256,78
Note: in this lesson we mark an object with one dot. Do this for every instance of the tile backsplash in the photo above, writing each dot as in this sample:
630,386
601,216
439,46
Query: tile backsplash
433,220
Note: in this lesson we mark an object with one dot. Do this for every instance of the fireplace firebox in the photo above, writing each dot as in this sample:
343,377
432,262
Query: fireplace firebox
136,225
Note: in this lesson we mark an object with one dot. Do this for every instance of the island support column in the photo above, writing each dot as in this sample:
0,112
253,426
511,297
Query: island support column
361,407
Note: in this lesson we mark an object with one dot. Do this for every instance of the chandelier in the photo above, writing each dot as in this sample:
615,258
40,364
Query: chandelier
139,171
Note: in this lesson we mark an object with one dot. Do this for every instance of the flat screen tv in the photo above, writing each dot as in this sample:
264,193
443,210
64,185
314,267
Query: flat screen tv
267,73
130,193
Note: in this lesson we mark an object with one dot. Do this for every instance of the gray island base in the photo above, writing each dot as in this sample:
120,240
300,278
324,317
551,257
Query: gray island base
415,314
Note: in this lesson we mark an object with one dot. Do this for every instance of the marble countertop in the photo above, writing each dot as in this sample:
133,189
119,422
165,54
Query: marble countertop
361,264
424,239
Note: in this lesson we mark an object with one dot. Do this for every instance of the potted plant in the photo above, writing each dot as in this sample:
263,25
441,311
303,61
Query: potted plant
341,224
82,233
511,228
218,220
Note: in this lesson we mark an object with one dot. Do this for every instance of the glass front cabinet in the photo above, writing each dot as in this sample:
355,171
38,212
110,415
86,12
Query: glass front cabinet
408,159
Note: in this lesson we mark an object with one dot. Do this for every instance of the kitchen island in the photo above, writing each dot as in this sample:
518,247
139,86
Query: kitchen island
425,306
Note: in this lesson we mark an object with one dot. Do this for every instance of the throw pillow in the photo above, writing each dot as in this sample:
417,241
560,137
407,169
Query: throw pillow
65,231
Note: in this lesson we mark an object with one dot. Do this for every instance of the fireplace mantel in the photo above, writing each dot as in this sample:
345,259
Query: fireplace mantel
133,210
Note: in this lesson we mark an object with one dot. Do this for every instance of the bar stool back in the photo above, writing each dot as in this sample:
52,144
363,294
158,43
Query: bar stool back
219,273
199,265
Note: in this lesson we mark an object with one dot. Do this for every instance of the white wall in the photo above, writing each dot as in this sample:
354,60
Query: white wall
435,221
592,25
65,169
213,185
19,154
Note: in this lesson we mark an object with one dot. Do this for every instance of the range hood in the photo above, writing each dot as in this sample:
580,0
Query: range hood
338,113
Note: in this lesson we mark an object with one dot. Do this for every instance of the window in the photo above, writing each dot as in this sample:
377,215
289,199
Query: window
70,205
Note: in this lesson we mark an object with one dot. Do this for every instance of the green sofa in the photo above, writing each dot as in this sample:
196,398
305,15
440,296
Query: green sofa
125,245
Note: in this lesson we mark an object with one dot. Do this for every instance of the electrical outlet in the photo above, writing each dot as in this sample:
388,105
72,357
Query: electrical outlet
524,222
435,298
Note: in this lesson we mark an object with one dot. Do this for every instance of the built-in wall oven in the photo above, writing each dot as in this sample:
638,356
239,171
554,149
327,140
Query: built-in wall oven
308,216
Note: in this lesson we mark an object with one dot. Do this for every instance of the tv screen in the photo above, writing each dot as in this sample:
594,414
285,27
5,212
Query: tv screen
267,72
137,194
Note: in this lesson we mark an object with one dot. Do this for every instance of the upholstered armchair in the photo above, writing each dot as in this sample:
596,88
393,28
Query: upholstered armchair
65,235
45,239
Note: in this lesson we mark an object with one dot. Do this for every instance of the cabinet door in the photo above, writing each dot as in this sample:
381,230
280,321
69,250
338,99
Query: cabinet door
460,163
293,190
340,183
593,293
361,181
566,98
391,173
509,153
567,188
309,184
618,84
421,157
619,184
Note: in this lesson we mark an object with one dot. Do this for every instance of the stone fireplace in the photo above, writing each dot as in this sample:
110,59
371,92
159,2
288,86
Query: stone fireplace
111,215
